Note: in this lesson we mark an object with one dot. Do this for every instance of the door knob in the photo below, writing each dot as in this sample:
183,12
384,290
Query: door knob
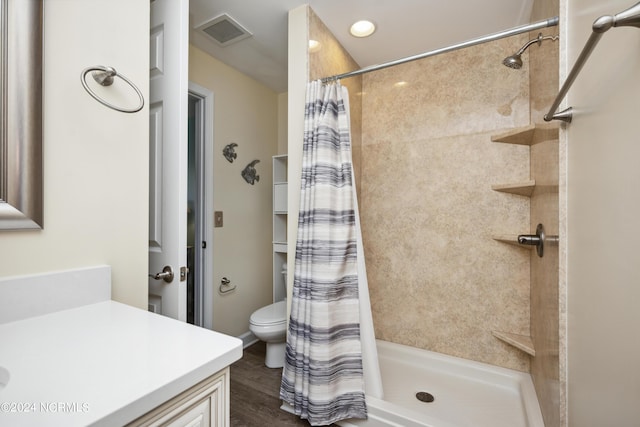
166,274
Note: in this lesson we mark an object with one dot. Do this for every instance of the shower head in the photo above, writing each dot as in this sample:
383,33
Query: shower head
515,61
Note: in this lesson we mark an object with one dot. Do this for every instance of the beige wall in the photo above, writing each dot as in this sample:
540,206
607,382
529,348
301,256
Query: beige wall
437,279
245,112
545,311
95,159
603,201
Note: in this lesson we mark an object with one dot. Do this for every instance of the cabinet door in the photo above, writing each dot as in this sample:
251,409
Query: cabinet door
198,416
204,405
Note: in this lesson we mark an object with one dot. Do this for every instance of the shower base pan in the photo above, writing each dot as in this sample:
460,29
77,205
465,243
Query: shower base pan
424,388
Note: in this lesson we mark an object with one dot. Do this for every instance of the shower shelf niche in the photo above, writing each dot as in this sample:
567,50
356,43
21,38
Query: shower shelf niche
528,135
520,188
521,342
511,239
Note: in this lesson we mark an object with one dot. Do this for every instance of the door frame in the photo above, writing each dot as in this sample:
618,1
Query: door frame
204,256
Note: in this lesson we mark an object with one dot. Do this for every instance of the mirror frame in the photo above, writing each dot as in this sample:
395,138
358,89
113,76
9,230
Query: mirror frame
21,183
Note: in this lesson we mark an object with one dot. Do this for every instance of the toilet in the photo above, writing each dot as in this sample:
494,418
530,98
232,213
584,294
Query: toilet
269,324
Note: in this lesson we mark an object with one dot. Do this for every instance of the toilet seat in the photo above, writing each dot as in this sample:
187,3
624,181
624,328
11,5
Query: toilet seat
273,314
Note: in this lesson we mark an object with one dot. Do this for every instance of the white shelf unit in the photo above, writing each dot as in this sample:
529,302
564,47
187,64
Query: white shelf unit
280,207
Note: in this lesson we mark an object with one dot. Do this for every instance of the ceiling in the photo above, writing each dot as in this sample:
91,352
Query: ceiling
404,28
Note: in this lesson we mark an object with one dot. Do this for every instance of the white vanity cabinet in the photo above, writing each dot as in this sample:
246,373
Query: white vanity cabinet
80,359
204,405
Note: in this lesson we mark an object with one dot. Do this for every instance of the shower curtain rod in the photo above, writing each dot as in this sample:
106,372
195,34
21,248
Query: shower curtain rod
551,22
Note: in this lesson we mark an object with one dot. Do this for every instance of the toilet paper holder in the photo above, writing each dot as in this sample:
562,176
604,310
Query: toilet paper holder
225,286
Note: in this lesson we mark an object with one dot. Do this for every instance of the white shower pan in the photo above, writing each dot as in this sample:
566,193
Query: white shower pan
465,393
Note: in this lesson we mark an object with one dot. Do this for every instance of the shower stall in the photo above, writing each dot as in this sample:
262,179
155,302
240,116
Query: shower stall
430,177
453,161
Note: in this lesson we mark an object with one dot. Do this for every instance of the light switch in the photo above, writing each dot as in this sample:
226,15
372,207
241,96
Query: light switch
217,219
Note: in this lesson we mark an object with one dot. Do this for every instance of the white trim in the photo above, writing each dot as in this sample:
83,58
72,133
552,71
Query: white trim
209,289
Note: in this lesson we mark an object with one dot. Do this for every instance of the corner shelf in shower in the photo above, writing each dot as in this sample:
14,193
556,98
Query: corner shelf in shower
520,188
528,135
521,342
511,239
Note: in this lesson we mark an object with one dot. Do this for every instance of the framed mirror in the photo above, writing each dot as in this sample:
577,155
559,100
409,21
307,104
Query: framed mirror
21,204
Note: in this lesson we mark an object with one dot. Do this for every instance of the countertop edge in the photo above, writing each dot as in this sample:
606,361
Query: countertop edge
177,370
145,404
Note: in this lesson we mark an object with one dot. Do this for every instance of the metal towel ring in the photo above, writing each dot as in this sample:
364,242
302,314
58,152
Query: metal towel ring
104,76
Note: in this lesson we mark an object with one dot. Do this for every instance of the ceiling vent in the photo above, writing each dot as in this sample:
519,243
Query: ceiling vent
224,30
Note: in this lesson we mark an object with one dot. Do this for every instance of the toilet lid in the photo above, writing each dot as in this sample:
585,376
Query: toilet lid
271,314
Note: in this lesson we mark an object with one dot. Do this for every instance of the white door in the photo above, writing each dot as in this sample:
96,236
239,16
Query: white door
168,112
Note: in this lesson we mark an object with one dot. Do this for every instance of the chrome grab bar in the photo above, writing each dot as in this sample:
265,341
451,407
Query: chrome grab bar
627,18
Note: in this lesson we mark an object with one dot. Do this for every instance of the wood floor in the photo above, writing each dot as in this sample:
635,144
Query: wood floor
255,393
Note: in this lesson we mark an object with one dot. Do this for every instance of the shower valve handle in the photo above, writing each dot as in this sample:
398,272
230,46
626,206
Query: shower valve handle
529,239
536,240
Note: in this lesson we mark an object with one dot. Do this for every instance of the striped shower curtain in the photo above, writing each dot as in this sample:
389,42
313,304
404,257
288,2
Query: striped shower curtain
323,376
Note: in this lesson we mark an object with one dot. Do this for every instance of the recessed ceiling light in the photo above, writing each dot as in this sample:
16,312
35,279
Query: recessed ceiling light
362,29
314,45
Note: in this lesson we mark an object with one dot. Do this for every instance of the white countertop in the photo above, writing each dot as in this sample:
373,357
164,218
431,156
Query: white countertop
102,364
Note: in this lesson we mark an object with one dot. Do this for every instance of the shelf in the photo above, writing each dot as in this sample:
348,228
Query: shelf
522,188
279,227
280,207
280,247
521,342
528,135
511,239
280,197
280,168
